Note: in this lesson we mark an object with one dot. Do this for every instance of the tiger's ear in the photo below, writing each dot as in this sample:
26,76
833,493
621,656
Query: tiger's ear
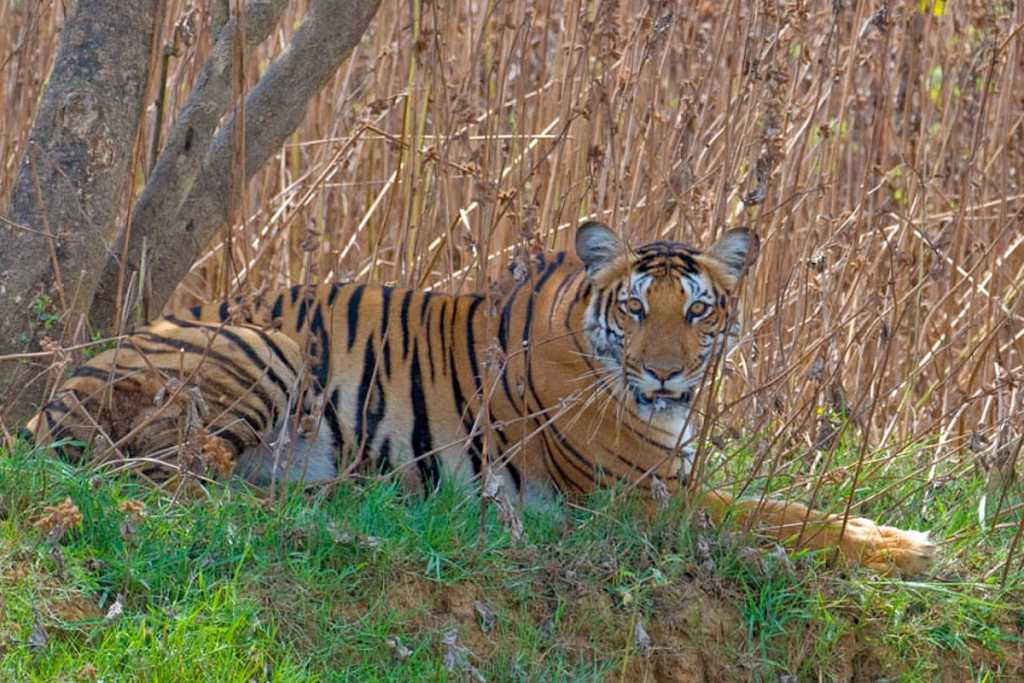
736,249
597,246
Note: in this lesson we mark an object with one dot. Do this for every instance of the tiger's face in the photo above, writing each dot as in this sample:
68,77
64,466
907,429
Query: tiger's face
660,312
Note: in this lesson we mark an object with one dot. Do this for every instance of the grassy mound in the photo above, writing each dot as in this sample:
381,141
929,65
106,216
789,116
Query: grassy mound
363,584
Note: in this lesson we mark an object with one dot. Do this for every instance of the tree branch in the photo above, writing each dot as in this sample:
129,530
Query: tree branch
177,233
181,159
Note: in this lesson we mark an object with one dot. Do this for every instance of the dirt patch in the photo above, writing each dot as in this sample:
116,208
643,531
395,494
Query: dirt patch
696,632
75,608
697,635
690,632
428,605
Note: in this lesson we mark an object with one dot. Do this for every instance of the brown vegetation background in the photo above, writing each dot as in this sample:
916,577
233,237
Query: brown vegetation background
877,148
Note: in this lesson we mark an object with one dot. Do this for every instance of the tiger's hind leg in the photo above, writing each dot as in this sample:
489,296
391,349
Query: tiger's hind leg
861,542
176,397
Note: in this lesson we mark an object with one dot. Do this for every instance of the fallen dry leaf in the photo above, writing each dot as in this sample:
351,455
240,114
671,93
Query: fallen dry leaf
641,639
58,519
400,650
38,638
115,611
486,615
456,657
493,492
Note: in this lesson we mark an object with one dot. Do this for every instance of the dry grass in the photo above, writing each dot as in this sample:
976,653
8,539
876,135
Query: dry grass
877,153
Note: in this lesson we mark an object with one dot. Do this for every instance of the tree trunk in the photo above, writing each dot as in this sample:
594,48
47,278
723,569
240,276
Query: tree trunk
73,184
65,252
184,204
181,159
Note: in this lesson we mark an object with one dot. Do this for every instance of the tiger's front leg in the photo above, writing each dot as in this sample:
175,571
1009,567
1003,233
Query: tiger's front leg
861,542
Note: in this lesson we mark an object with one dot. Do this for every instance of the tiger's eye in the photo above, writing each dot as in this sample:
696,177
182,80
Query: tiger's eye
698,309
634,306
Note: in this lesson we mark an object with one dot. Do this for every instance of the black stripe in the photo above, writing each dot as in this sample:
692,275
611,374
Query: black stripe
476,447
58,432
331,415
646,439
406,300
225,332
384,457
474,368
196,311
362,395
321,370
552,267
451,330
582,294
366,429
353,314
222,311
276,350
427,296
422,441
606,304
301,318
503,341
334,294
234,400
425,323
278,307
566,445
385,324
230,363
385,317
549,461
669,259
527,323
387,359
506,315
440,332
564,284
90,372
556,298
295,293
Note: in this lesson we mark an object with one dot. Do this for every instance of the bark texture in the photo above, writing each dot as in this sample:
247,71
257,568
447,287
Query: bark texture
191,193
73,182
181,159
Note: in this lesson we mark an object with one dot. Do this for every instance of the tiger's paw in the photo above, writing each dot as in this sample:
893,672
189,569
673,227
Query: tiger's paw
886,549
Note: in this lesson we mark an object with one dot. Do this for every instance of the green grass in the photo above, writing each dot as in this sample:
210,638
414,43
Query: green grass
362,585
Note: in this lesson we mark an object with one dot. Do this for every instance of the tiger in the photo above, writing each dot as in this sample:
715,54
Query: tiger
583,373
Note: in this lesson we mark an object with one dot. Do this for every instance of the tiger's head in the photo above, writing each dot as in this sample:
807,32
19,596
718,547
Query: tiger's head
660,312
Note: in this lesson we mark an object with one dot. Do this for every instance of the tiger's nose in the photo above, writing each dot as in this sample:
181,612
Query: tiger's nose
663,374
